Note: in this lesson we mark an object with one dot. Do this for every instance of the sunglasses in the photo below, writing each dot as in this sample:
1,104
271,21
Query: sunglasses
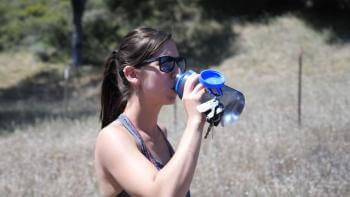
167,63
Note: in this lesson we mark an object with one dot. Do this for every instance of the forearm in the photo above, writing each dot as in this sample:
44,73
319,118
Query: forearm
175,178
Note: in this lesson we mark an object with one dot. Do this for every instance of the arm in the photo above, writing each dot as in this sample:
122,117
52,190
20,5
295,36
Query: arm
135,173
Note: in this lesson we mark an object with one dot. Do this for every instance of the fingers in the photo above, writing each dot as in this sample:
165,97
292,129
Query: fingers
191,81
198,87
192,85
202,91
192,94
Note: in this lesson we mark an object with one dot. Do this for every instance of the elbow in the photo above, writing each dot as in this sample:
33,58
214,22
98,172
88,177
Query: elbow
163,187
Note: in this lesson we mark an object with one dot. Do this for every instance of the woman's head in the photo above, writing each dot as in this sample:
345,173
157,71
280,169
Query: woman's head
141,49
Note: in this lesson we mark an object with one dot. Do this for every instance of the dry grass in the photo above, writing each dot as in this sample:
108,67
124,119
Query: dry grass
11,72
51,159
263,154
19,66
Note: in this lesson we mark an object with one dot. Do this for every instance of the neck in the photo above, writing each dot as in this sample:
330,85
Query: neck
143,115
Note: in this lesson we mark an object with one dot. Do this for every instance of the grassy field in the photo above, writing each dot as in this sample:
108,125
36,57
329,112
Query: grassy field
48,126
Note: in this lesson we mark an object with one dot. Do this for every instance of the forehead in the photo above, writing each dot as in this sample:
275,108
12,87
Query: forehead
167,49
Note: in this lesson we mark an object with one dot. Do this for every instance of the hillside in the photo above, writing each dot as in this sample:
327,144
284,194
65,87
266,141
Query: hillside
48,126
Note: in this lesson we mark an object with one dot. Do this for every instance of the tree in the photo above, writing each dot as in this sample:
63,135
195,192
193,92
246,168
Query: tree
77,35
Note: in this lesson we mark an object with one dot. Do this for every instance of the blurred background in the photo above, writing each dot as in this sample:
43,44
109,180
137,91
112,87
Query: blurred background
289,57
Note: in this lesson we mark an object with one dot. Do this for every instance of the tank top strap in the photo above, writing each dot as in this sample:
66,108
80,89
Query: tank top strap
123,119
127,124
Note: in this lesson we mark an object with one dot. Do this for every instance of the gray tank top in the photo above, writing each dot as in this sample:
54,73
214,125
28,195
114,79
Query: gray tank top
123,119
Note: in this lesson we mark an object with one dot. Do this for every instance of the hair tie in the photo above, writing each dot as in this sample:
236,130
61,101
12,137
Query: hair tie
119,70
115,54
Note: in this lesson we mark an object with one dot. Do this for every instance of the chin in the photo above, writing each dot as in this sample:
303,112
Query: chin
171,100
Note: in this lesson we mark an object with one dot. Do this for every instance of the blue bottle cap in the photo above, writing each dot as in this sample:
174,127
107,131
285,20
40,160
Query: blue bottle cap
213,81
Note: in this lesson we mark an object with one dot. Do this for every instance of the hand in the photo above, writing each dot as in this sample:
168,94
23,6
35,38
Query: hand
192,94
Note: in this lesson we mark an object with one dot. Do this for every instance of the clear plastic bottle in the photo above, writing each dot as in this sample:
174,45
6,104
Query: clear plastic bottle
232,100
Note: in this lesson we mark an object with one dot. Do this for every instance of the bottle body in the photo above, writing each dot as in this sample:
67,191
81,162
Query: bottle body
232,100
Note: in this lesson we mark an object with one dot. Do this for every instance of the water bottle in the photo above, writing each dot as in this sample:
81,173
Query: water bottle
232,100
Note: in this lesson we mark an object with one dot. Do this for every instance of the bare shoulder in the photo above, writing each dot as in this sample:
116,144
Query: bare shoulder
118,158
114,132
111,140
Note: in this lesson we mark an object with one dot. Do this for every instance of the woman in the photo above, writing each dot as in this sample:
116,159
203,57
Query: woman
132,155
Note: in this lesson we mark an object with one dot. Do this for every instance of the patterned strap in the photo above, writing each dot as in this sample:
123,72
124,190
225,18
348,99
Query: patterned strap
127,124
131,128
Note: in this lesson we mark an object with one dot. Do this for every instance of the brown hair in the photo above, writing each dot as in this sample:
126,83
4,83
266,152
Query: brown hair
135,47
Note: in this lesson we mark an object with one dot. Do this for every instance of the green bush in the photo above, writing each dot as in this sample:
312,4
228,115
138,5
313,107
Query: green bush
45,27
106,25
38,25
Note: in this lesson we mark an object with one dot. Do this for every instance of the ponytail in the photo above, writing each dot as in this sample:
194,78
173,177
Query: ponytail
114,91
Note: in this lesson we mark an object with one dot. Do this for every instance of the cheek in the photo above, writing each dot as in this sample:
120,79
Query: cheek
153,83
157,86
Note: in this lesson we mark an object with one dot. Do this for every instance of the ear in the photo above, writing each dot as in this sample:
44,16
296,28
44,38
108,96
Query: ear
131,75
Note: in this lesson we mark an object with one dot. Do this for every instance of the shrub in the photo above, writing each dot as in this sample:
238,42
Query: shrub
38,25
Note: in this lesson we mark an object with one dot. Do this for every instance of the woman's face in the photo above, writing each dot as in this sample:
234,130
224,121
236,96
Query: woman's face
158,85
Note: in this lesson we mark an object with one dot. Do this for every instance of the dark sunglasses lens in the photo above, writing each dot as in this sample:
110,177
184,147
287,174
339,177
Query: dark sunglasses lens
166,64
